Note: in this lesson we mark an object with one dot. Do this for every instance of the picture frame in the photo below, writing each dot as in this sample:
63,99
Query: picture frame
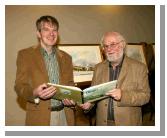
84,58
136,51
149,50
153,47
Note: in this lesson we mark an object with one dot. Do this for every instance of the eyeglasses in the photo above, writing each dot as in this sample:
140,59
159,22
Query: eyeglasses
113,45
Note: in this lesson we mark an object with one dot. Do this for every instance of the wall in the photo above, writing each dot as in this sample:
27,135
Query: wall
78,24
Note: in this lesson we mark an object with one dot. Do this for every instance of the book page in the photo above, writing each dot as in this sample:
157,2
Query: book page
95,92
68,92
66,87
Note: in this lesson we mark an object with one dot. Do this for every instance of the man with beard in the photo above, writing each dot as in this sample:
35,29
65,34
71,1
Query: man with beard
123,107
38,65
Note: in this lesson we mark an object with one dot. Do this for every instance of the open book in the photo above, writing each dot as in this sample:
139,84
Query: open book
91,94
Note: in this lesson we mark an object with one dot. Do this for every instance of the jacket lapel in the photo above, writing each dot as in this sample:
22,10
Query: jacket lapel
123,72
105,73
38,59
59,60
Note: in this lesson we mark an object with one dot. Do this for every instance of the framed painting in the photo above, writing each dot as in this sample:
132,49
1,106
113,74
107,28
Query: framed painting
84,58
136,51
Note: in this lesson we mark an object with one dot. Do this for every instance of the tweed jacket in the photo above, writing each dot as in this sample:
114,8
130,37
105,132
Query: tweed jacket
133,82
31,72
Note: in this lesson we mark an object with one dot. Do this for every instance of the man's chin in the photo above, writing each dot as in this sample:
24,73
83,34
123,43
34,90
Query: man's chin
51,44
114,58
111,59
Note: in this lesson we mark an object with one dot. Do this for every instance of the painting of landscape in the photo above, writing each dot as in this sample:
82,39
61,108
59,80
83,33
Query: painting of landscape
136,52
84,58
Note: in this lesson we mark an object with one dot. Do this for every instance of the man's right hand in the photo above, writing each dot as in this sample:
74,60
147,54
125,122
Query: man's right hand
44,92
85,106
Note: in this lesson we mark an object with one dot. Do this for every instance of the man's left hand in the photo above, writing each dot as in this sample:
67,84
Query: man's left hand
68,102
115,93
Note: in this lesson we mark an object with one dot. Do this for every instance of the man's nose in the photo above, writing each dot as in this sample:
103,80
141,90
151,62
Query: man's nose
52,33
110,50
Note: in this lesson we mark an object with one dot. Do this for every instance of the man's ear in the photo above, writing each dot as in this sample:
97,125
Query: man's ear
38,34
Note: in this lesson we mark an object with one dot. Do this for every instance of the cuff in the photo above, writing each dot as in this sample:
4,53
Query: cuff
36,100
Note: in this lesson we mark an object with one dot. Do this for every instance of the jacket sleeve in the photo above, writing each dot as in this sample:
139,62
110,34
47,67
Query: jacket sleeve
23,85
139,94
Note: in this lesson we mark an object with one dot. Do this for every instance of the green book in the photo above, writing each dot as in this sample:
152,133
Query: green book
91,94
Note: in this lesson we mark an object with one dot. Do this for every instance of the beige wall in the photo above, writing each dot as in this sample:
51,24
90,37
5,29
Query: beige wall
78,24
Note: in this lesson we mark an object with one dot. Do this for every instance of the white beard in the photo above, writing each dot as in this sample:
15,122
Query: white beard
115,58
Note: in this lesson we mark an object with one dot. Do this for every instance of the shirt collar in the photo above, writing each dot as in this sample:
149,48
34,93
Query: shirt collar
44,52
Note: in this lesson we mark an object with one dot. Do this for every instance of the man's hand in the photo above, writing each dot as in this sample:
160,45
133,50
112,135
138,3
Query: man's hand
115,93
85,106
68,102
44,92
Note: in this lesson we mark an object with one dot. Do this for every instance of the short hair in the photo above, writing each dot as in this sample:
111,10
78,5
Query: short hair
116,34
48,19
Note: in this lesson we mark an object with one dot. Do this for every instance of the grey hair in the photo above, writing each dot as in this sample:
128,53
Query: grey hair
118,35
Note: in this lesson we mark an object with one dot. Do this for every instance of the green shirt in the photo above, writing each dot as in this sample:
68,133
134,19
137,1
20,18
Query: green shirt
52,67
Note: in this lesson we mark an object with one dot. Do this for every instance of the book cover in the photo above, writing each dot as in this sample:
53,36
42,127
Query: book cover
91,94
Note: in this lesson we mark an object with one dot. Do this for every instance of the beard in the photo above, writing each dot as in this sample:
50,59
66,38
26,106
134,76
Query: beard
116,57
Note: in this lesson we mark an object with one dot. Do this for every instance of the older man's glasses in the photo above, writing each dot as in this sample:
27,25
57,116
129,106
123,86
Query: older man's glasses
113,45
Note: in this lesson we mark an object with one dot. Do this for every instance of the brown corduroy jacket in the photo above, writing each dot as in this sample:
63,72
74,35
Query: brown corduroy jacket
133,82
31,72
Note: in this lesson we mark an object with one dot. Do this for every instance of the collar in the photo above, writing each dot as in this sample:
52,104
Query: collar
44,52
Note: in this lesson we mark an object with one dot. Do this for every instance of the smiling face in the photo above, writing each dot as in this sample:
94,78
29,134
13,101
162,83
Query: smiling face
113,46
48,34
